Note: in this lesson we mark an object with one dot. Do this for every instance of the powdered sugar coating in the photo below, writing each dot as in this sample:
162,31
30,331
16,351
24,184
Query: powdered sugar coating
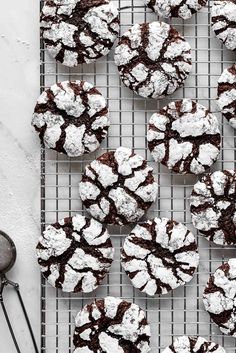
153,59
175,8
79,31
71,117
159,256
118,187
219,297
212,206
223,17
75,254
185,137
125,327
227,94
192,344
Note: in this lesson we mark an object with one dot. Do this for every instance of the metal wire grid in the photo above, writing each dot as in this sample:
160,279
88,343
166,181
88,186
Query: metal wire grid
180,312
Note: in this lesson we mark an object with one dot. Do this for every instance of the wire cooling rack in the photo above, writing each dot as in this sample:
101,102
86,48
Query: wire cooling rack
180,312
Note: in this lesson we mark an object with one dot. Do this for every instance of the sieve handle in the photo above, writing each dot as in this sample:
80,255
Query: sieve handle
4,282
17,288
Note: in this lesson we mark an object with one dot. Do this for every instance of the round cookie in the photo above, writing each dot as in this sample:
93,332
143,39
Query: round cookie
111,324
219,297
191,344
153,59
212,207
71,117
79,31
75,254
227,94
223,21
118,187
172,8
159,256
184,136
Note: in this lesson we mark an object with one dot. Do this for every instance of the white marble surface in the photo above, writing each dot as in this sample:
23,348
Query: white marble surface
19,161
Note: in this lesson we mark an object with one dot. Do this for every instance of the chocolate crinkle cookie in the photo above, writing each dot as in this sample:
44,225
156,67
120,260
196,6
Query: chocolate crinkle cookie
172,8
223,18
219,297
192,344
212,206
227,94
75,254
111,325
184,136
118,187
153,59
71,117
159,256
79,31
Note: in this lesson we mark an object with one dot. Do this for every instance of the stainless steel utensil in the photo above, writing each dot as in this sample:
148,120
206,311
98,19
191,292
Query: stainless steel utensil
7,260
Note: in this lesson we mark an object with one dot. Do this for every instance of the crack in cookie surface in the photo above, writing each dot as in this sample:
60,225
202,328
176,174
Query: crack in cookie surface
184,136
118,187
75,254
71,117
223,21
111,324
192,344
227,94
219,297
172,8
212,207
159,256
153,59
79,31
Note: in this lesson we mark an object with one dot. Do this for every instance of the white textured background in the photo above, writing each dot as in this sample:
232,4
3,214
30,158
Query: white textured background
19,160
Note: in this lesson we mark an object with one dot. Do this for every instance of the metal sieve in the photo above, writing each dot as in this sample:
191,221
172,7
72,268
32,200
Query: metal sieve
7,260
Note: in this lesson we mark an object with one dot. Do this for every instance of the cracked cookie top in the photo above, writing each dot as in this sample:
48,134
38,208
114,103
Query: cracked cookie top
118,187
111,324
192,344
212,207
172,8
223,21
219,297
71,117
227,94
159,256
184,136
79,31
153,59
75,254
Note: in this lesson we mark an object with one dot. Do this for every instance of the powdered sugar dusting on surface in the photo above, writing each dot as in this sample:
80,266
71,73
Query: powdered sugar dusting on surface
155,44
118,187
223,17
71,117
125,322
104,173
149,256
227,94
193,344
219,297
185,126
93,37
69,254
175,8
54,241
212,207
154,75
99,19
